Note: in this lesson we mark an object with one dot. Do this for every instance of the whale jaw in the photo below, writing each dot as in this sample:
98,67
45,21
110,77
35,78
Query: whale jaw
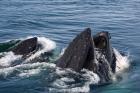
76,54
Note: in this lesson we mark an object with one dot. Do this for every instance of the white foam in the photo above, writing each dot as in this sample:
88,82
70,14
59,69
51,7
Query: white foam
62,52
82,89
67,79
60,71
92,77
8,58
68,83
28,73
47,45
122,62
26,70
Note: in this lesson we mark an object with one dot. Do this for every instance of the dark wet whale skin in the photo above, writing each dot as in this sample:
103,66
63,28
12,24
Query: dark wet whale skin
81,54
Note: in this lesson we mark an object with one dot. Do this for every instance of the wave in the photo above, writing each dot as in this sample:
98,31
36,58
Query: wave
8,58
25,70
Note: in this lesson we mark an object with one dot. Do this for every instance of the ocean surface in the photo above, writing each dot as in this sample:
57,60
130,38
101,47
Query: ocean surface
56,23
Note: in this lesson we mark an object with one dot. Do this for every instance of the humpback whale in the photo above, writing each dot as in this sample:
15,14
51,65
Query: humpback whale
25,47
82,53
94,53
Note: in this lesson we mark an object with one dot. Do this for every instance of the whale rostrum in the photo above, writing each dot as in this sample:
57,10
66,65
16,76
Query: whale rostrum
25,47
76,56
82,53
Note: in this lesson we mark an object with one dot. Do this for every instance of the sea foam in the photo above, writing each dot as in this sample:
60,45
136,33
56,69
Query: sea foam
122,62
8,58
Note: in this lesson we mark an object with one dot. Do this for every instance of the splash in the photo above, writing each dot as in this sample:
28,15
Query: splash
8,58
47,46
25,70
122,62
70,81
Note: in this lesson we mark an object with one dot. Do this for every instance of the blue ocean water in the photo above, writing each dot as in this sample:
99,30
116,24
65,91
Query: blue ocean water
61,21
